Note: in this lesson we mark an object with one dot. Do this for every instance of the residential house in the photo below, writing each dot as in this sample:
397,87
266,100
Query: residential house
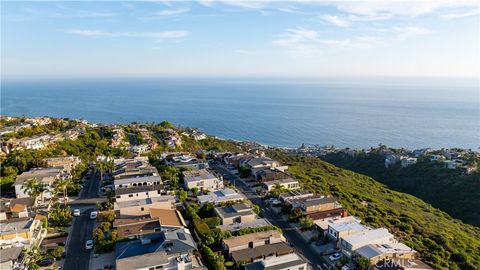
46,176
378,252
318,206
170,219
20,232
260,222
139,181
258,253
141,207
11,258
421,152
165,250
340,229
237,213
139,192
352,242
288,183
290,261
188,162
201,179
259,163
133,167
323,225
67,163
391,159
221,196
252,240
16,208
407,161
136,226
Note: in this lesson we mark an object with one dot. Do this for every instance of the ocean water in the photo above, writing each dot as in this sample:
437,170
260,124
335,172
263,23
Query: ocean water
345,112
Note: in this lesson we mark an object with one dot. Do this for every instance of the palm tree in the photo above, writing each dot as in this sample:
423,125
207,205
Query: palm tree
101,166
31,187
61,185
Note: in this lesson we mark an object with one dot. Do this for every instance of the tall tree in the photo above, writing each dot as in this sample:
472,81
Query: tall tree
61,185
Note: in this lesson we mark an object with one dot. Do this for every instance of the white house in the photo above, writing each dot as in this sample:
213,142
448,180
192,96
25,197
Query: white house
201,179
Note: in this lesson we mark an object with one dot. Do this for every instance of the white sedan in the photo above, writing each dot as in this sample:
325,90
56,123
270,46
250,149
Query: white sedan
335,256
89,244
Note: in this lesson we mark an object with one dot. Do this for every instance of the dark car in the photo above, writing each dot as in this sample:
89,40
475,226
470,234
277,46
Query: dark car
46,262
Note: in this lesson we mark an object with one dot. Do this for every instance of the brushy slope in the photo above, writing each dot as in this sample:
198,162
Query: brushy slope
449,190
442,241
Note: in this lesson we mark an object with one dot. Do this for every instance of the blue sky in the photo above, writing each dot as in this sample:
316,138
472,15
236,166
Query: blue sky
241,38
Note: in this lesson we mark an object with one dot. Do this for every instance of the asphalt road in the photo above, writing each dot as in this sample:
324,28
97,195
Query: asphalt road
289,232
82,226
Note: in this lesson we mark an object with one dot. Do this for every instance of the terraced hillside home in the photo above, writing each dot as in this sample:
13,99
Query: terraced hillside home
221,196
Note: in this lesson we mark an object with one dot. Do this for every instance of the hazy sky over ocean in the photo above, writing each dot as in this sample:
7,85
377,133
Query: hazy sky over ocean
311,38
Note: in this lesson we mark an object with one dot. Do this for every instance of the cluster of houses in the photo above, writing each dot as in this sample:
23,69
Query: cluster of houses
195,134
451,158
263,170
39,141
156,233
21,217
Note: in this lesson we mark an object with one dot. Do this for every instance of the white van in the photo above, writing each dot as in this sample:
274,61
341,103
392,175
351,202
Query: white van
93,215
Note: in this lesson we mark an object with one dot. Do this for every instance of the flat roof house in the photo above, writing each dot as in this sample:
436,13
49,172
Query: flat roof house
67,163
221,196
129,182
11,258
340,229
169,219
201,179
139,192
251,240
261,222
288,183
237,213
19,232
290,261
261,252
350,243
134,227
164,250
141,207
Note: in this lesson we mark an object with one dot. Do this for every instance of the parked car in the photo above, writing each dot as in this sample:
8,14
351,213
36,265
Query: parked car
335,256
76,212
89,244
93,215
46,262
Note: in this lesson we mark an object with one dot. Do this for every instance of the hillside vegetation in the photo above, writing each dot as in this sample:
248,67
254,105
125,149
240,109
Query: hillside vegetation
442,241
449,190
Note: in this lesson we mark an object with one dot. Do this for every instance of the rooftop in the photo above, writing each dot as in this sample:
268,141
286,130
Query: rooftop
371,251
144,188
132,180
145,201
171,218
15,225
348,226
10,254
276,262
225,194
323,224
168,242
248,254
261,222
197,175
367,236
133,226
253,237
38,173
240,209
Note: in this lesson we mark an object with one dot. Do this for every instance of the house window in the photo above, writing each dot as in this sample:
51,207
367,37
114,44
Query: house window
146,193
301,268
250,244
130,195
151,268
158,191
159,267
141,209
118,197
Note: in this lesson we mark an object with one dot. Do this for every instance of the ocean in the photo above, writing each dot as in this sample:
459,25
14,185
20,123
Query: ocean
345,112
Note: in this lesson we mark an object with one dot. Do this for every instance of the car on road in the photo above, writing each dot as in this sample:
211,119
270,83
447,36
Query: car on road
76,212
335,256
89,244
46,262
93,215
